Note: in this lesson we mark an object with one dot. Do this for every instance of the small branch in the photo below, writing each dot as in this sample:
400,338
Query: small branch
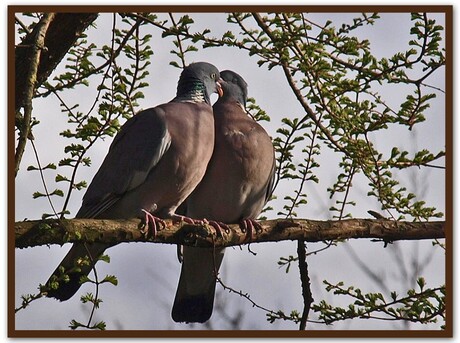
23,26
244,295
96,282
42,177
305,281
96,70
289,77
368,306
52,231
179,41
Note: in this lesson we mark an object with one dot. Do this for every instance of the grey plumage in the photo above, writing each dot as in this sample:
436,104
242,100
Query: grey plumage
153,164
236,186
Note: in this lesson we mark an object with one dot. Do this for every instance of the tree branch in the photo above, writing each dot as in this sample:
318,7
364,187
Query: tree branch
35,59
36,43
63,31
305,281
55,231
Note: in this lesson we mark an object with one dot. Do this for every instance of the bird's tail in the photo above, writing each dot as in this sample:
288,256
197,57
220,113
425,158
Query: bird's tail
197,284
79,261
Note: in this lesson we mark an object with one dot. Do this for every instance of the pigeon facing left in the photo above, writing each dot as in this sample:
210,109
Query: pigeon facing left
236,186
155,161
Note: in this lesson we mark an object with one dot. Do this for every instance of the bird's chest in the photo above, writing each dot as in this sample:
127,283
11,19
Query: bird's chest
235,143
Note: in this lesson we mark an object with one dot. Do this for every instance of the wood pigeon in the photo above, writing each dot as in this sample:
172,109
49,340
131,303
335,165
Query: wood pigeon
155,161
235,188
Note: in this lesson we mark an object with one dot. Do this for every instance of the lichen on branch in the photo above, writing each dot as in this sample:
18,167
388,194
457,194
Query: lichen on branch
53,231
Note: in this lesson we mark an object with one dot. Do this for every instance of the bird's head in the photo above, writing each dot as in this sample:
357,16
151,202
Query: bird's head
200,75
234,87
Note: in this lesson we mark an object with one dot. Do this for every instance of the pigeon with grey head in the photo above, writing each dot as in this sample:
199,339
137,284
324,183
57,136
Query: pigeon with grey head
237,184
155,161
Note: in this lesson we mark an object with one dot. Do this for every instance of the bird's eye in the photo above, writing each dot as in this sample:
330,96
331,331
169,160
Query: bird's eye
213,75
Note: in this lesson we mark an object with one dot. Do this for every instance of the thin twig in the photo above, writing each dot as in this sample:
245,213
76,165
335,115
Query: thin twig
97,69
111,61
23,26
96,282
179,42
347,192
43,178
309,111
254,304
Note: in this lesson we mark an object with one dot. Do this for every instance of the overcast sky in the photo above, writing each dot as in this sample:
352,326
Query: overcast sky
148,273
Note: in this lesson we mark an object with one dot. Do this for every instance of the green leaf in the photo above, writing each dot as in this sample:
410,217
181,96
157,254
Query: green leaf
37,194
57,192
60,178
111,279
100,326
105,258
75,325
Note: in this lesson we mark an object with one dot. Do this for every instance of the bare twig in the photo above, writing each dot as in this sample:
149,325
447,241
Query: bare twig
276,314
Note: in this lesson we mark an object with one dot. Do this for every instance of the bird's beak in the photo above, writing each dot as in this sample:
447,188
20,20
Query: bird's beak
220,91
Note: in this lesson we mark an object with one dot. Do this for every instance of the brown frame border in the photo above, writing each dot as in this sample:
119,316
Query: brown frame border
448,332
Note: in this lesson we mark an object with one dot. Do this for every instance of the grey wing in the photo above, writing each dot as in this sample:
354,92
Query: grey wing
271,182
135,151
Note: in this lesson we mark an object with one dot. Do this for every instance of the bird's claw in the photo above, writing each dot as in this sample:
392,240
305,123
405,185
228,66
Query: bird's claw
250,227
152,225
218,226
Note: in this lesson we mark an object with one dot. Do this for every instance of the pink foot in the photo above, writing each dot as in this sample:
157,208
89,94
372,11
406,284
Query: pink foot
218,226
250,226
152,225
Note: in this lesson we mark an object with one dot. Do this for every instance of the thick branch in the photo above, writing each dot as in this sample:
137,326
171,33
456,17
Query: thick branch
305,282
63,31
35,59
36,42
35,233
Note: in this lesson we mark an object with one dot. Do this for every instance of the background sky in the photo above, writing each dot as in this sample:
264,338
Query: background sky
148,273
